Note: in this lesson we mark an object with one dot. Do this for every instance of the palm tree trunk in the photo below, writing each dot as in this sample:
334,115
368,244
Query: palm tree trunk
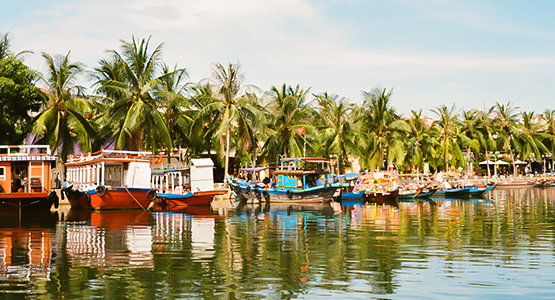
226,168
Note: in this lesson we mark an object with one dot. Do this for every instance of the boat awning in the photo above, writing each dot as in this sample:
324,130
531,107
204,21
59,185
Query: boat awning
28,158
257,169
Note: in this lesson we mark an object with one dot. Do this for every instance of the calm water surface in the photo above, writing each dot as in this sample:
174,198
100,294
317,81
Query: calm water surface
497,247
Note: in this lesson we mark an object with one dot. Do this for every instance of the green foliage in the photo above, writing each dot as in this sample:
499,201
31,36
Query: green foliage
19,98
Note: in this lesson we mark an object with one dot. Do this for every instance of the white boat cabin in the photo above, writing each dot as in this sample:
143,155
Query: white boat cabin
177,179
109,168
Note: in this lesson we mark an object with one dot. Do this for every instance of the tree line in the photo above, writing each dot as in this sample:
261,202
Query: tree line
139,102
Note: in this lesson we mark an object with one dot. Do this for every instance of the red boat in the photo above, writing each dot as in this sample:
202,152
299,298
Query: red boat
109,179
25,179
180,186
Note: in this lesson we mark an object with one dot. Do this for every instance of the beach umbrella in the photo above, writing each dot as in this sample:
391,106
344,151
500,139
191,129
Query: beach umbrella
487,162
520,162
500,162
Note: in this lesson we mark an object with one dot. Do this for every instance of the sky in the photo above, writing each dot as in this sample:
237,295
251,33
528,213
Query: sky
470,54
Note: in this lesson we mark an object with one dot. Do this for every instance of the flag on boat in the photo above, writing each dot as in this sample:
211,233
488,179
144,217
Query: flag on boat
301,130
158,160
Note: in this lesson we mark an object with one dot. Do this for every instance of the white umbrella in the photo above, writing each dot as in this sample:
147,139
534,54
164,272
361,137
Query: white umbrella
500,162
487,162
520,162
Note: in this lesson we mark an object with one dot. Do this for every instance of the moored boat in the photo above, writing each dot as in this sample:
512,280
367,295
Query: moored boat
109,179
181,186
26,179
297,180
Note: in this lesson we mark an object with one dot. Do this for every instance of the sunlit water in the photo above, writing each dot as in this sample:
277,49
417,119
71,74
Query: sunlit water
497,247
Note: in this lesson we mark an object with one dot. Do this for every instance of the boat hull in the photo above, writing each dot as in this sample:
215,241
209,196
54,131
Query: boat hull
119,198
321,194
382,197
464,192
27,202
189,199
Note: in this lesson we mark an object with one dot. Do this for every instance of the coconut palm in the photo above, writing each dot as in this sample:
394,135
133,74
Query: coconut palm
450,137
288,111
135,119
470,128
383,129
61,123
336,126
231,110
506,118
488,132
531,137
549,119
420,141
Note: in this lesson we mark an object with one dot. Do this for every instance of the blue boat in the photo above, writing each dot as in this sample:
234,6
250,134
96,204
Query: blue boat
296,180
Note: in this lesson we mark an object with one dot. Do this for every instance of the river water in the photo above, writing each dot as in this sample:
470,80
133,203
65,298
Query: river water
497,247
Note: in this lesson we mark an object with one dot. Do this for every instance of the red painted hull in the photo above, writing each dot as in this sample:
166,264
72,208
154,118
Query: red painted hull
114,199
25,202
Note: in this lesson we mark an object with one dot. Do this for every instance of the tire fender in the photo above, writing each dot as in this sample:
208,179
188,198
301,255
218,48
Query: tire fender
151,195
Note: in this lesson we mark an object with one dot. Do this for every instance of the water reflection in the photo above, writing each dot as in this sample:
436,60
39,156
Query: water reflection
490,247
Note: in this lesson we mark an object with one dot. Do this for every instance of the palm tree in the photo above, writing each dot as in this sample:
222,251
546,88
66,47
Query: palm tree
336,126
449,133
488,132
287,111
531,137
420,141
61,123
383,128
470,128
549,118
135,119
232,110
507,120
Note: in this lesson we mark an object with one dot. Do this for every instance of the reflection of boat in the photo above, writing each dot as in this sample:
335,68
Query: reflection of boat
26,248
25,179
109,179
110,218
297,180
179,186
109,238
287,208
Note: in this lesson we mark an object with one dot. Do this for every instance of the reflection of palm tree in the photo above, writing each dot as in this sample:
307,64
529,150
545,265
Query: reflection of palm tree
134,118
336,128
61,124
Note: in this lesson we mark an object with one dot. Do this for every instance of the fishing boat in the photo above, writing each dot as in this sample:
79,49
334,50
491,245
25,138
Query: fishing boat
296,180
479,191
420,193
179,186
26,178
109,179
453,192
248,184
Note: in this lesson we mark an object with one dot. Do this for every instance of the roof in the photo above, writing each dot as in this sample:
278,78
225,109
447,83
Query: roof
257,169
28,158
307,159
202,162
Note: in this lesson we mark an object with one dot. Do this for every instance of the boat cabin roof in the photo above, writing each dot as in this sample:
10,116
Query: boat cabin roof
306,159
26,153
257,169
108,155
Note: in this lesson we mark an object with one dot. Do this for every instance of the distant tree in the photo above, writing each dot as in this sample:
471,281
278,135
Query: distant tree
19,99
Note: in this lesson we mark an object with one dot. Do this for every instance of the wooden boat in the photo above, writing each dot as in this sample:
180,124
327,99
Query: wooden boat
109,179
297,180
479,191
544,183
180,186
25,179
453,193
381,197
418,193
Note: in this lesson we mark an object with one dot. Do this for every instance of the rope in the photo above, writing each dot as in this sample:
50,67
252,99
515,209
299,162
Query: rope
134,198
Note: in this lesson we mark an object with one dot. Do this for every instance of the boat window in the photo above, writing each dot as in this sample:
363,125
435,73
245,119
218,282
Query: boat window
2,173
